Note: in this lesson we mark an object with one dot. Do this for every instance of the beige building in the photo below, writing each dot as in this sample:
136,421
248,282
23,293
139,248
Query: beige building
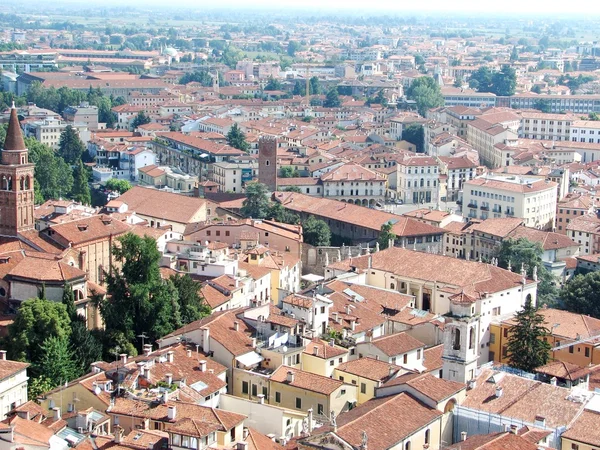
233,176
546,126
164,177
354,183
487,137
498,195
418,179
297,389
322,358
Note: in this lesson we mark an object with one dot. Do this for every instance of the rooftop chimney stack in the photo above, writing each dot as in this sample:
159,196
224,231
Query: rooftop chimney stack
2,355
123,357
290,376
172,414
463,436
202,365
499,392
170,355
236,326
147,349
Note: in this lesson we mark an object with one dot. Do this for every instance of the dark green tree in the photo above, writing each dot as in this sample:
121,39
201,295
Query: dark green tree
68,299
542,105
526,348
582,294
458,82
192,305
280,214
141,119
299,89
293,47
332,99
88,348
481,79
53,176
314,86
70,147
426,93
36,320
256,204
316,232
273,84
139,301
523,253
514,54
504,82
415,134
81,188
385,235
237,139
537,89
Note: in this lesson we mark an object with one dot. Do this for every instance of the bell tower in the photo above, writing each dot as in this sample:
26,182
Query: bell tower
16,182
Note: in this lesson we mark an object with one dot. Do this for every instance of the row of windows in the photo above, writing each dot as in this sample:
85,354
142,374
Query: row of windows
504,198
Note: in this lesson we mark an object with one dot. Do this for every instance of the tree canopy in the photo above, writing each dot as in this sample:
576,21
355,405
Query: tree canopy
81,188
523,253
273,84
526,348
141,119
316,232
415,134
582,294
503,82
70,147
332,99
256,204
386,235
237,139
53,176
121,186
426,93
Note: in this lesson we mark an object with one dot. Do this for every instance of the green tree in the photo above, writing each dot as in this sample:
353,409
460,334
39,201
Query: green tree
120,186
426,93
299,89
293,47
458,82
68,299
36,320
273,85
482,79
256,204
198,76
57,361
316,232
593,117
139,301
288,172
542,105
314,86
332,99
514,54
53,176
237,139
280,214
81,188
537,89
192,305
582,294
141,119
526,348
36,387
70,147
385,235
415,134
504,82
522,253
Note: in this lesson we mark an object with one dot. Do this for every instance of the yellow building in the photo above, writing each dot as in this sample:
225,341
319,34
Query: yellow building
300,390
321,358
367,374
584,432
92,391
565,329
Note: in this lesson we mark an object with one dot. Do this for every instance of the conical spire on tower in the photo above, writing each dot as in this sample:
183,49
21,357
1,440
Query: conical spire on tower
14,135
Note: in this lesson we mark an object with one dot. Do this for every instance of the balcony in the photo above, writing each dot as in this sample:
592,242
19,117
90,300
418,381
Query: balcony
509,212
497,210
472,205
485,208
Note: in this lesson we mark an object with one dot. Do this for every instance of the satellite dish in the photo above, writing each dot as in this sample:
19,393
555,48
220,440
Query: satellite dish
284,349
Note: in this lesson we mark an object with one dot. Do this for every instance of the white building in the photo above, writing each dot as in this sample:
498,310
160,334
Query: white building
585,131
546,126
48,131
13,384
211,260
233,176
498,195
313,311
354,183
418,179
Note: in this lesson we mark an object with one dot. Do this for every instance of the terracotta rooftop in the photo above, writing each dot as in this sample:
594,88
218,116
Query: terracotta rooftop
306,380
370,368
14,134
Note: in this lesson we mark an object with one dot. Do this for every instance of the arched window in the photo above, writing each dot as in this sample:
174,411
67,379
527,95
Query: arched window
456,344
392,286
27,183
427,434
409,183
472,337
407,446
22,183
422,182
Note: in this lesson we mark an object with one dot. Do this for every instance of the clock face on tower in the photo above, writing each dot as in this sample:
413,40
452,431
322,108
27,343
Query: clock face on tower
16,182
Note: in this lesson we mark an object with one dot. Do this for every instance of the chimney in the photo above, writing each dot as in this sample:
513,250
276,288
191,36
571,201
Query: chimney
141,368
245,433
316,350
376,357
348,310
123,357
189,353
261,398
165,397
170,354
169,378
513,429
236,326
202,365
370,260
353,325
290,376
2,355
118,434
310,420
332,342
499,392
553,381
147,349
172,414
463,436
242,446
56,410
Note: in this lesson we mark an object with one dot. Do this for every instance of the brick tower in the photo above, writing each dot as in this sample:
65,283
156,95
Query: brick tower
267,162
16,182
